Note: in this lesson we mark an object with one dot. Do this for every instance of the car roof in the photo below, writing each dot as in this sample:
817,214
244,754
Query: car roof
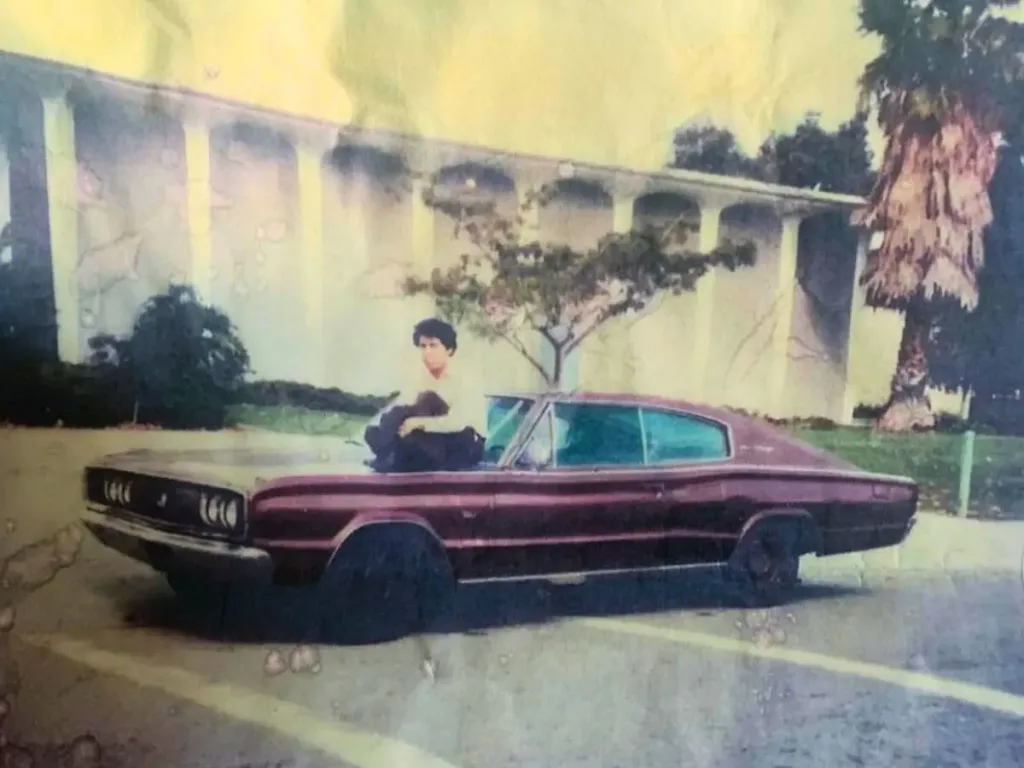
753,440
622,398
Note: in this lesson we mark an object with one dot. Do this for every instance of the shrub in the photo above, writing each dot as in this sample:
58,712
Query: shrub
184,361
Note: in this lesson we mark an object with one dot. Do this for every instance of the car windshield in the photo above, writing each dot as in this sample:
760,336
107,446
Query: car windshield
505,414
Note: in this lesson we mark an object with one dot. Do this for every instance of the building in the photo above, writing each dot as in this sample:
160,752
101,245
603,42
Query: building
119,188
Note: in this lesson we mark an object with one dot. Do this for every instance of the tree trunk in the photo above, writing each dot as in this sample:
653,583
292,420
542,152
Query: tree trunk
557,366
908,407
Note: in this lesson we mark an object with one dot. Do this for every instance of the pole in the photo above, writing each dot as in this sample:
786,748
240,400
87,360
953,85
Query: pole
966,469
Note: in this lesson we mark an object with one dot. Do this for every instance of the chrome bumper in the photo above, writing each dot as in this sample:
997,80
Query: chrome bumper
173,551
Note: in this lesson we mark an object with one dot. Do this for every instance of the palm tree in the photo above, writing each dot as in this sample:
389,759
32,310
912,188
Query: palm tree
941,84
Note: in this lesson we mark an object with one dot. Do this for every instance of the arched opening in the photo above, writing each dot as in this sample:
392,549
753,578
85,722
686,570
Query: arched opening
131,196
256,270
826,262
578,213
368,248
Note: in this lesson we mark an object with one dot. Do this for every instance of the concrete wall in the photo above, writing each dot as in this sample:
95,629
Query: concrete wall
132,225
745,311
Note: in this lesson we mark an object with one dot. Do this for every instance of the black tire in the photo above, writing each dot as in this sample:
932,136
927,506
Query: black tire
201,599
767,561
389,581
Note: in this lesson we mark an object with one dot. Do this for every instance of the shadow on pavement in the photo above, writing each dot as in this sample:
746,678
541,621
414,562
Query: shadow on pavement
276,614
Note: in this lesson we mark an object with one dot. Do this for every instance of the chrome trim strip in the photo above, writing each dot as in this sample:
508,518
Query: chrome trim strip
92,517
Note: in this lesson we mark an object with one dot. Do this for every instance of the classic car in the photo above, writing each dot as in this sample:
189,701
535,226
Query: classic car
570,484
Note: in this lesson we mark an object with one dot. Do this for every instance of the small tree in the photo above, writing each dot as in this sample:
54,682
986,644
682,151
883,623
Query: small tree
183,360
505,288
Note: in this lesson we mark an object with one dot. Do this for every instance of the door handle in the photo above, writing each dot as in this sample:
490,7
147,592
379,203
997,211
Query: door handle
658,489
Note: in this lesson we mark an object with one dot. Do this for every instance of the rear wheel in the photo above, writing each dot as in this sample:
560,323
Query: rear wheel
389,581
767,560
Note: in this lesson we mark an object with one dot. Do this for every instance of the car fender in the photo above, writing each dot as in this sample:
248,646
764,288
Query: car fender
811,539
363,522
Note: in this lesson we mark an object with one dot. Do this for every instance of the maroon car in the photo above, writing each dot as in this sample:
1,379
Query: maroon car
571,484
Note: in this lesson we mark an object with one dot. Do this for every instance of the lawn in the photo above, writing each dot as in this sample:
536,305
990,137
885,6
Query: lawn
933,459
296,420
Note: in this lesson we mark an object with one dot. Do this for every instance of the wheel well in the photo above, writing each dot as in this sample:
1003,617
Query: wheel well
403,537
797,522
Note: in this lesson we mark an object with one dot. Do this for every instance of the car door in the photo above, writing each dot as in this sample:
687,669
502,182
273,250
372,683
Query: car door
684,455
576,500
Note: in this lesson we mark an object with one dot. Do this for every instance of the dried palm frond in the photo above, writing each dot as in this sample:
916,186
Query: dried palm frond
931,203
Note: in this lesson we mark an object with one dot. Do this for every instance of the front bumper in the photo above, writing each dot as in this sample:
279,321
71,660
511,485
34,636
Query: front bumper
167,551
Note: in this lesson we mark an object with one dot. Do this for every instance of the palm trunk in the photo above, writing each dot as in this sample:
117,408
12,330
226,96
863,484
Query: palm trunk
908,407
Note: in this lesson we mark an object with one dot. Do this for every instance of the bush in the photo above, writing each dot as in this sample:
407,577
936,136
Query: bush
184,360
46,394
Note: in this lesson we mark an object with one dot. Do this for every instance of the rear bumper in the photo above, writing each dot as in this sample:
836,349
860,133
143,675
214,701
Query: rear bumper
166,551
841,541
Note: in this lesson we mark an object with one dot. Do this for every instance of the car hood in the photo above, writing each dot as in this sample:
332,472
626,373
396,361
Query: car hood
242,468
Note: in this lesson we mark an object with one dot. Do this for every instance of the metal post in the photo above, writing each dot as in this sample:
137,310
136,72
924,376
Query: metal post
966,469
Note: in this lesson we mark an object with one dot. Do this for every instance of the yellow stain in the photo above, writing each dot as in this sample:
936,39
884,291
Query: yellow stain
330,736
593,79
932,685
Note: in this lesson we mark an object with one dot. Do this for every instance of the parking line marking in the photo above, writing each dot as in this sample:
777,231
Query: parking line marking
933,685
336,738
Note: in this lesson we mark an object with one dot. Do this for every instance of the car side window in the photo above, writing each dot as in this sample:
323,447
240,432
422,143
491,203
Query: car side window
680,437
598,434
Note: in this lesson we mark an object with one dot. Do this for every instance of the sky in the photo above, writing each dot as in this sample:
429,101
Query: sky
596,80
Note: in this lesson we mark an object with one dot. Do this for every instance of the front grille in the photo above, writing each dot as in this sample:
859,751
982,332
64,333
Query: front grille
173,504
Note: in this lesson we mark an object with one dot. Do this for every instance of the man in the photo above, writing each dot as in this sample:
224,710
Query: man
450,437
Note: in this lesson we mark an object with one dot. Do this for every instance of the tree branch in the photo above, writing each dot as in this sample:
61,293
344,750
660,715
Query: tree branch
522,350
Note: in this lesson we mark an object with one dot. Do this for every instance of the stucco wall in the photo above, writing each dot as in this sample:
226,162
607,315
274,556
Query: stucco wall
132,217
746,307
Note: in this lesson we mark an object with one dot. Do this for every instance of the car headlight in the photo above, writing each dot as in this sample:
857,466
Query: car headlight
218,512
118,491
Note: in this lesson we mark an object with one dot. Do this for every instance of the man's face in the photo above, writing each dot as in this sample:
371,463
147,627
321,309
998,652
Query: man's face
434,354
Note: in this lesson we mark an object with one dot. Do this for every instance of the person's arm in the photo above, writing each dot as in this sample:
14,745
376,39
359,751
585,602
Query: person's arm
469,409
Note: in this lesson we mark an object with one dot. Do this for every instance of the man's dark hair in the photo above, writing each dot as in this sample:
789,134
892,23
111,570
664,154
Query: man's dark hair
434,328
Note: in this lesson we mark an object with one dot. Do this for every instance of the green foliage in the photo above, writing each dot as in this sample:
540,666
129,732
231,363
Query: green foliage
810,157
273,394
710,149
507,287
184,361
942,51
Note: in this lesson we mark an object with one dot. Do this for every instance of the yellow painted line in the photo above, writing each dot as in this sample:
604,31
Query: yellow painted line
968,693
333,737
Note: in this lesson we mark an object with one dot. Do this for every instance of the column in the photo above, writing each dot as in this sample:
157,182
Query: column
613,339
422,229
858,306
782,328
311,227
200,225
62,205
622,212
710,222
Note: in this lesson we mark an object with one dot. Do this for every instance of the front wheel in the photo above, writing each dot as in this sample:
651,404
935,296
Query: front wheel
385,585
